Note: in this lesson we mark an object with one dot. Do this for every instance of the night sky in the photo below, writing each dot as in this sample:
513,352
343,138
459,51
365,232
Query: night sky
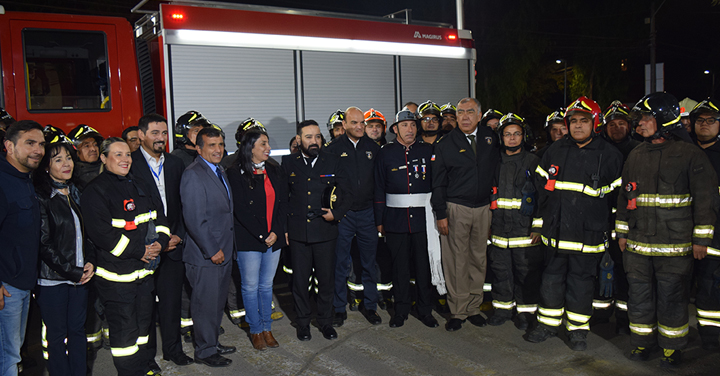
518,42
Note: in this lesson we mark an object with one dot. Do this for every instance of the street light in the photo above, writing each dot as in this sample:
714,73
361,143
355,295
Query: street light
712,92
561,61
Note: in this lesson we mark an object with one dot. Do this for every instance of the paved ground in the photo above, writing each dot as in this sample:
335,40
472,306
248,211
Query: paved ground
363,349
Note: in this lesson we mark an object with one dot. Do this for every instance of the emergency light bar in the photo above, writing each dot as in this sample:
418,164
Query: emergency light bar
293,42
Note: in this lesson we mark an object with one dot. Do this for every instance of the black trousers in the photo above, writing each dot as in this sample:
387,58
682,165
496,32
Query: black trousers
604,306
128,310
707,300
567,286
209,294
659,298
517,273
235,306
409,252
169,279
321,256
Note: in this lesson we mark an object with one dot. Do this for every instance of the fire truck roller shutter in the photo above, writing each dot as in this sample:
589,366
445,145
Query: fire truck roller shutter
436,79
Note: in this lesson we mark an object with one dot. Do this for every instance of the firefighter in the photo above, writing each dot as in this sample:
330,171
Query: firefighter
612,292
335,124
665,218
449,117
515,254
187,127
87,141
430,119
578,175
129,232
491,118
403,214
705,118
555,129
375,125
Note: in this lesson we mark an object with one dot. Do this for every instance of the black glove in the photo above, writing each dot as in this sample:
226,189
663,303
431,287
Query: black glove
527,207
607,275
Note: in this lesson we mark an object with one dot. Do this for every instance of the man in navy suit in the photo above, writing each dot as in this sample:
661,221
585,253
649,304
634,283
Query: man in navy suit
159,174
209,244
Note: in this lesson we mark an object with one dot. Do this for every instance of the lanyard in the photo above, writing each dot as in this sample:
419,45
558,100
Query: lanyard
157,176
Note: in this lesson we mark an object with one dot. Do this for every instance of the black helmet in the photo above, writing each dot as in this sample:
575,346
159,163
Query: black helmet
663,107
246,125
82,132
183,124
448,108
5,118
617,110
708,105
509,119
489,115
54,135
556,117
404,115
336,117
429,107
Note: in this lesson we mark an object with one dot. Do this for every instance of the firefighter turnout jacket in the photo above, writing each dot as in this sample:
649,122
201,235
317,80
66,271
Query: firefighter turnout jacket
713,251
667,203
575,186
117,214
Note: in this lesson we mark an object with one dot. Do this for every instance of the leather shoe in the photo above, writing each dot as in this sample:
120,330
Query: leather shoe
258,341
179,359
303,333
339,319
397,321
477,320
214,360
454,324
270,341
328,332
372,316
222,350
429,321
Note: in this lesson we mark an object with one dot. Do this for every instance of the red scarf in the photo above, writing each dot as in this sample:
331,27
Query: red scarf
269,197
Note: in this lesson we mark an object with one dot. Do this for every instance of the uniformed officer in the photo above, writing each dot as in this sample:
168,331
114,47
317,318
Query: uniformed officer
313,225
449,120
665,217
578,173
555,129
429,122
404,215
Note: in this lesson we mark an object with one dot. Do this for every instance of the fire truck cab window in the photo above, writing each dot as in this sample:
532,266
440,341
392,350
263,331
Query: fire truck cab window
66,70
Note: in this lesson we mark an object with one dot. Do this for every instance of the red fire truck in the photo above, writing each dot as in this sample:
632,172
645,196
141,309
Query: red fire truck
227,61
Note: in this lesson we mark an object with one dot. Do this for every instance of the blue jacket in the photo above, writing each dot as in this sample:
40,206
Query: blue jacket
19,228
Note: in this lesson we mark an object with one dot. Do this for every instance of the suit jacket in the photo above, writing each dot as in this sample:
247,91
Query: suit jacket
208,212
173,169
306,186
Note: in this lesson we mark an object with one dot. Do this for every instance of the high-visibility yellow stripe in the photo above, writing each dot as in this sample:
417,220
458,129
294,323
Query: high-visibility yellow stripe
164,229
642,329
550,321
713,251
577,317
537,222
704,231
487,287
622,227
527,308
585,189
120,246
602,304
94,337
384,286
571,327
287,270
503,305
708,322
118,223
673,332
621,305
354,286
134,276
509,203
140,218
664,201
659,249
184,322
551,312
520,242
124,351
43,334
143,340
574,246
542,172
237,313
708,314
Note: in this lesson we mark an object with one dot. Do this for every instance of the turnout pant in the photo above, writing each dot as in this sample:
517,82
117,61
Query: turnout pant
169,279
464,258
235,306
707,300
567,286
603,306
659,298
305,257
209,294
518,272
128,310
409,252
358,224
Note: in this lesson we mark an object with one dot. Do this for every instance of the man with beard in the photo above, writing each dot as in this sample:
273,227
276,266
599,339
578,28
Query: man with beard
555,129
87,142
430,122
316,179
449,117
335,124
159,174
375,126
19,235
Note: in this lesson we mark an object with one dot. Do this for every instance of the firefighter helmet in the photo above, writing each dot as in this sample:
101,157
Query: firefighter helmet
429,107
489,115
336,117
404,115
588,106
663,107
183,124
246,125
617,110
448,108
5,118
375,115
556,117
54,135
81,132
706,106
511,118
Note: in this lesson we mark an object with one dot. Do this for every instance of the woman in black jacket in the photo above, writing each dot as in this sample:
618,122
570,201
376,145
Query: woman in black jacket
66,262
260,198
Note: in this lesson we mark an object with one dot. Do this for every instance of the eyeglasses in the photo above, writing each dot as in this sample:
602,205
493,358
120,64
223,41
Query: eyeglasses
708,121
429,119
516,134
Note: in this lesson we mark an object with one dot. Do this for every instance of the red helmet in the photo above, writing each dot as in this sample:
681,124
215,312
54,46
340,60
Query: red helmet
588,106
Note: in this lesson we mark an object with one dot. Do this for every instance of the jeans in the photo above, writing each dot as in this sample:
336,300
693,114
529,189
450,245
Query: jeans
359,224
63,308
13,320
257,271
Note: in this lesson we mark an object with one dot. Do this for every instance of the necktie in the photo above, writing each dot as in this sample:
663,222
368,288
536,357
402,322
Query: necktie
219,175
473,145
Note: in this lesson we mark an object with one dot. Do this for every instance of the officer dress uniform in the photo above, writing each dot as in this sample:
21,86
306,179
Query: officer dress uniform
312,241
117,214
575,208
403,187
665,208
515,261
